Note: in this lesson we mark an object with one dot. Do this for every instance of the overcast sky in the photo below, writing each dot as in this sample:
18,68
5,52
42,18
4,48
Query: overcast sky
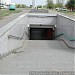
29,2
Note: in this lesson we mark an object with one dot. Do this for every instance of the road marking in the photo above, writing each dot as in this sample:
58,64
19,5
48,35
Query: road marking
23,15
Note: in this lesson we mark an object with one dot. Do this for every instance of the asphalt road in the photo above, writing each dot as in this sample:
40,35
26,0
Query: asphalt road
11,17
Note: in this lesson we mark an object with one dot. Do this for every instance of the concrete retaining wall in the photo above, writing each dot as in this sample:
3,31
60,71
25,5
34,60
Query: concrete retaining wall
66,26
10,34
39,11
44,19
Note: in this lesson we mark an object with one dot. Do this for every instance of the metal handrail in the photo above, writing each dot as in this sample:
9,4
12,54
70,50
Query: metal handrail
68,37
19,38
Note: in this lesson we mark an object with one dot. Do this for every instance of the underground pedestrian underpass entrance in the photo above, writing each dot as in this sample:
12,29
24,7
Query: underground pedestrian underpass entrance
41,32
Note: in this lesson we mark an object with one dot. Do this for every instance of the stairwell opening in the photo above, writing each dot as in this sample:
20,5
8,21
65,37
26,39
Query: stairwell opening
41,32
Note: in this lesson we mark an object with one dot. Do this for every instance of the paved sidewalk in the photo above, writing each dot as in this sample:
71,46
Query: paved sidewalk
55,12
38,56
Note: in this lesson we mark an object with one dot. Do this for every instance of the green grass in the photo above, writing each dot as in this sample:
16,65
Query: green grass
68,12
4,12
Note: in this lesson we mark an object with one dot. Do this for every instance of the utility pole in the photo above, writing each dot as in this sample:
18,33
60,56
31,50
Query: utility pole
0,1
33,3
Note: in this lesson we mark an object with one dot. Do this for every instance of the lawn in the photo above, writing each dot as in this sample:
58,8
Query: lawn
4,12
68,12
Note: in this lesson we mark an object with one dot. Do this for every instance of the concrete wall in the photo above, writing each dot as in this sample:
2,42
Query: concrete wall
9,34
12,35
39,11
44,19
66,26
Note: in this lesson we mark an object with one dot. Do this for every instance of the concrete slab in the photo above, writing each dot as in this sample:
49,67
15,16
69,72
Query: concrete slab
38,55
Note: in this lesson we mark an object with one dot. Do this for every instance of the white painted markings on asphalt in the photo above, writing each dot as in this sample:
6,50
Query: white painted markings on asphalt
23,15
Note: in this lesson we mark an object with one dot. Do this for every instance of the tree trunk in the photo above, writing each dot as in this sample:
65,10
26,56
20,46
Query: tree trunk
72,9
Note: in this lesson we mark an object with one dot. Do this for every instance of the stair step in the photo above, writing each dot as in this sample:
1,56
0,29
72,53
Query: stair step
45,44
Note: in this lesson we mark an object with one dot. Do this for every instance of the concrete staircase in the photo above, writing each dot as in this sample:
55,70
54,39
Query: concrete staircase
38,55
54,44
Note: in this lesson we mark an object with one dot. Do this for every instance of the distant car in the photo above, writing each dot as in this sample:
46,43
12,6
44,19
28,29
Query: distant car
3,7
12,7
57,8
64,9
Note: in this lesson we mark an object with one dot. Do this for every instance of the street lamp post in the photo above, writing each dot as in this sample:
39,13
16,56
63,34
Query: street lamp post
0,1
33,3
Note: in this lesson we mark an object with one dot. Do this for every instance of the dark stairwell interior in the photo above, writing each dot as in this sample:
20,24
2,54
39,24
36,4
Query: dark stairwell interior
41,34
